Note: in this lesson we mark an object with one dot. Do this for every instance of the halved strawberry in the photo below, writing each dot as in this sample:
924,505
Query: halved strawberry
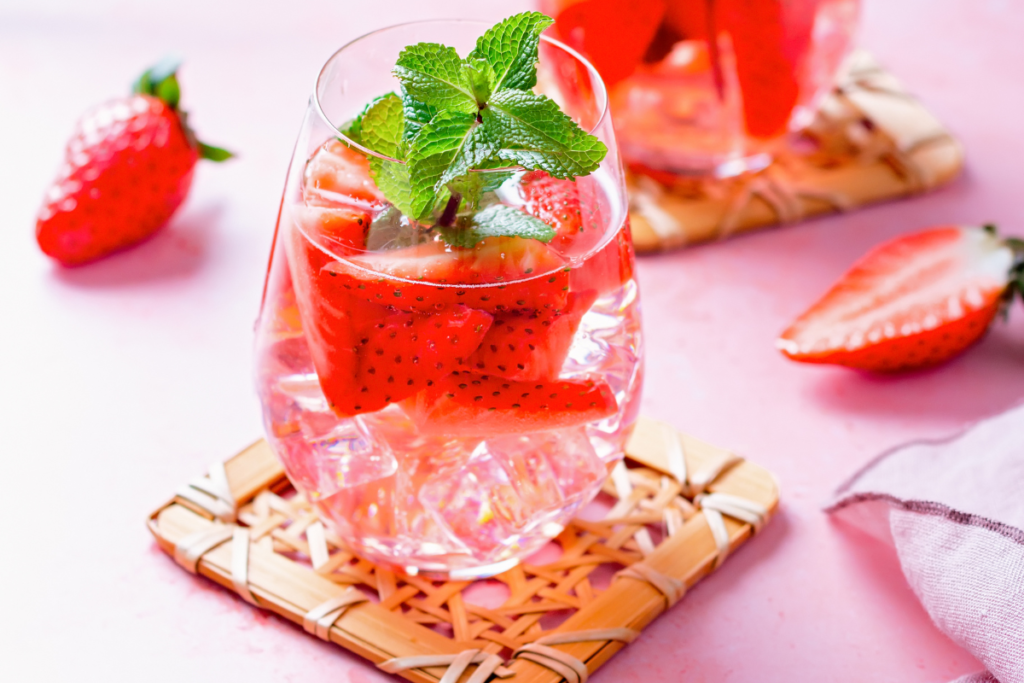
529,345
915,301
430,276
337,174
467,403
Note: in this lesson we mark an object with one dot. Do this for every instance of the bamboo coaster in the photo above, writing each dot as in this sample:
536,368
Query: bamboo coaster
678,508
871,141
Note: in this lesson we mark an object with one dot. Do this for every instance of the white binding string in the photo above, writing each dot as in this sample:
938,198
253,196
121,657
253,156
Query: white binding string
211,493
321,618
240,564
191,549
739,508
673,589
457,664
674,455
565,665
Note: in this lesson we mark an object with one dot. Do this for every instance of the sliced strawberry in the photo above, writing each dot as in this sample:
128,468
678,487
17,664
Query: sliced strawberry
467,403
430,276
555,201
531,345
613,34
371,361
574,208
770,41
338,230
338,174
915,301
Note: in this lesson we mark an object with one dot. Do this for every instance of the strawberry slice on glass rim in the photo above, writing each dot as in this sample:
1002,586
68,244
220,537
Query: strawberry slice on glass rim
913,302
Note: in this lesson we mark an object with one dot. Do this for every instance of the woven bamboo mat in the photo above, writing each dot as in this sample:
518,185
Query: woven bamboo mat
872,141
675,510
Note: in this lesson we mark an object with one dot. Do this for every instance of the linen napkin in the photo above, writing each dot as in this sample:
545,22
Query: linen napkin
954,510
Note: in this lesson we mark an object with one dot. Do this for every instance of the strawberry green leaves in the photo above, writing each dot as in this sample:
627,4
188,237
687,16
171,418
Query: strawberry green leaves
456,116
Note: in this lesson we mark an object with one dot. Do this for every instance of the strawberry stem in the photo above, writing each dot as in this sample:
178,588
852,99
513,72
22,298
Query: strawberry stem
450,210
161,81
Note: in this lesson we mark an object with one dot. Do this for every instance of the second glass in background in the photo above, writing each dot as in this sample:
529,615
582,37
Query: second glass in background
709,87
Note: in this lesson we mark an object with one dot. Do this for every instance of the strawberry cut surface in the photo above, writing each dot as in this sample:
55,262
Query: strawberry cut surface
338,174
909,303
468,403
497,275
531,345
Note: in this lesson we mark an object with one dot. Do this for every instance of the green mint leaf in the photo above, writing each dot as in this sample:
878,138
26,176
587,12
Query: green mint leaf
511,49
498,220
382,125
434,74
352,129
447,147
417,114
417,201
481,78
534,133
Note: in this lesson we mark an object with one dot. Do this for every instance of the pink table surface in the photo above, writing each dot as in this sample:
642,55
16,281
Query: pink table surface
124,379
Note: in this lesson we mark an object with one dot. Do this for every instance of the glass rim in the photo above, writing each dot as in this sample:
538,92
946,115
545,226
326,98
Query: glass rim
591,70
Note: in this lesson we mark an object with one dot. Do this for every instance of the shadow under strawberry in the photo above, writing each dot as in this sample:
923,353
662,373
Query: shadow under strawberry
174,253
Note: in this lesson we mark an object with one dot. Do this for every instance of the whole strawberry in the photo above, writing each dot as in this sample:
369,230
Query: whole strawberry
126,170
915,301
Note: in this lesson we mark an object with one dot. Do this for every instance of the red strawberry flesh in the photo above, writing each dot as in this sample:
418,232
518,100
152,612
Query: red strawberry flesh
467,404
531,345
499,274
912,302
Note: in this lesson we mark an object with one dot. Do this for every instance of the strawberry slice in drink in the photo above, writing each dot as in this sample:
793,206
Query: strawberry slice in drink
498,274
572,207
337,174
469,404
367,361
531,345
770,40
613,34
369,355
577,211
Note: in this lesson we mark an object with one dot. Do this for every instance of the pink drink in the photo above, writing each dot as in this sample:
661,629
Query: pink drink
447,409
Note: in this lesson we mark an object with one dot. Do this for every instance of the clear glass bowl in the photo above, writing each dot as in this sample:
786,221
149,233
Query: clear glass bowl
447,410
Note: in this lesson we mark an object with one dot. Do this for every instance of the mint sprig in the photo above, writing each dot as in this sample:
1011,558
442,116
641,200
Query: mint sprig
455,116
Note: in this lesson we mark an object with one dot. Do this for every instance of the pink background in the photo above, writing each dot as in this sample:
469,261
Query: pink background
124,379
